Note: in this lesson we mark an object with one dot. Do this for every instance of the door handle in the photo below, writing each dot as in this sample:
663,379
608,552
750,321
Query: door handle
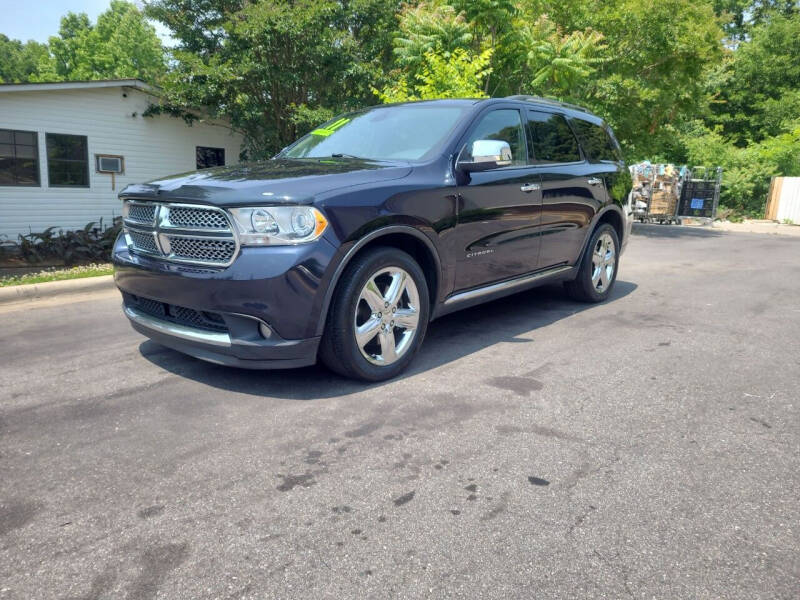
530,187
594,181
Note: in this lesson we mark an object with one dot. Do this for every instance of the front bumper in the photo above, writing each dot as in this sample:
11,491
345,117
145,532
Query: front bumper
260,312
221,348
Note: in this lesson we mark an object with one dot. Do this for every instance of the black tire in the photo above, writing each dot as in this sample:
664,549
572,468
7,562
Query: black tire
582,287
339,350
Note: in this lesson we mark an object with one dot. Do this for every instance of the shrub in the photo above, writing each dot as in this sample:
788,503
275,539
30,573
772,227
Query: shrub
92,243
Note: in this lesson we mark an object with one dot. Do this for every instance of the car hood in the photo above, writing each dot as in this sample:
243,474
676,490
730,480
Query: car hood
276,181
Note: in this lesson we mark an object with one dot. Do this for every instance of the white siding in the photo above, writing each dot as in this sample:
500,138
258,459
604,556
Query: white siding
789,201
153,147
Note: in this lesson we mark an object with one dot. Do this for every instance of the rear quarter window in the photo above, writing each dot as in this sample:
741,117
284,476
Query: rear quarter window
596,141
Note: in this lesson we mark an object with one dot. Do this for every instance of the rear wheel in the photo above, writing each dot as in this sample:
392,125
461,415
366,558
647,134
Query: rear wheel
378,316
597,272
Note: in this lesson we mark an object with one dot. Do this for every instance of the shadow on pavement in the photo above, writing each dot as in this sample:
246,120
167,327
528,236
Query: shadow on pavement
674,231
448,339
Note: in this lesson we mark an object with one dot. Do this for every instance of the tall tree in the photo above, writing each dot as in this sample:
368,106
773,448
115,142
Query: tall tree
756,92
264,63
18,61
658,54
121,45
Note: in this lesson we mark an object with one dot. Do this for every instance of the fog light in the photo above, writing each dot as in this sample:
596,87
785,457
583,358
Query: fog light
265,331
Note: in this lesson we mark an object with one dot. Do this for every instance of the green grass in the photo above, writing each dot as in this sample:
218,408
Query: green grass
58,274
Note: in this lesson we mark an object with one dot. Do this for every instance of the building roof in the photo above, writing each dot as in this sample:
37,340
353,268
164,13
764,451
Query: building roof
77,85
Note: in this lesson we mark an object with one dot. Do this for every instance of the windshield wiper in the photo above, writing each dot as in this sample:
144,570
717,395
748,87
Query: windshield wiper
344,155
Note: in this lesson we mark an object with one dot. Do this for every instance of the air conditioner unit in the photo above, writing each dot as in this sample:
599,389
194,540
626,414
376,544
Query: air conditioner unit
110,164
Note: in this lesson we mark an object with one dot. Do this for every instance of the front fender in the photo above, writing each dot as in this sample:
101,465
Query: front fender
348,250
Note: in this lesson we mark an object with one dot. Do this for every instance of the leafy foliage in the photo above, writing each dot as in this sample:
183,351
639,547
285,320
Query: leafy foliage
425,28
456,75
19,62
121,45
260,63
92,243
756,91
555,63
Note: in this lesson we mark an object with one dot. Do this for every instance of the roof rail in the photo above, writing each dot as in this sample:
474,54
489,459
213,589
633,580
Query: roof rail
541,100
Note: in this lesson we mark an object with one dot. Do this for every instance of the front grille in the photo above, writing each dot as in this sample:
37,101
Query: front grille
197,218
141,213
152,307
215,251
182,233
189,317
143,242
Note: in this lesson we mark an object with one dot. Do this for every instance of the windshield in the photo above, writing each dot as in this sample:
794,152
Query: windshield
408,132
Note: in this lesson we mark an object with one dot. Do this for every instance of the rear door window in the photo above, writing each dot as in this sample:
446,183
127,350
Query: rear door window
551,139
595,140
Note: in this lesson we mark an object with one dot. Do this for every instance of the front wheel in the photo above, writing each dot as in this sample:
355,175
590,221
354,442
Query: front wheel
378,316
597,272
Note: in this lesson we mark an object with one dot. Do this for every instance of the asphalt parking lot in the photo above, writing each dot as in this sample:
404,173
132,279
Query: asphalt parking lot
648,447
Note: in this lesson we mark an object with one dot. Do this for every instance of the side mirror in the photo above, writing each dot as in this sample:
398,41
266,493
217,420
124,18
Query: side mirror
487,154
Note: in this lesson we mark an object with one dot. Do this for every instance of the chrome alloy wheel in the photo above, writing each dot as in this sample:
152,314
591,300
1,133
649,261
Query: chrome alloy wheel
604,260
387,316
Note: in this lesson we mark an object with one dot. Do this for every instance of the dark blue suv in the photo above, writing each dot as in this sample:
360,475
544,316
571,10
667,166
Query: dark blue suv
347,243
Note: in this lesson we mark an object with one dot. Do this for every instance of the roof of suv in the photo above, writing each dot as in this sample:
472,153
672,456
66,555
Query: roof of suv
572,109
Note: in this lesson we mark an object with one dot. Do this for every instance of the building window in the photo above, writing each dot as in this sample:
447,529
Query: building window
210,157
67,160
19,157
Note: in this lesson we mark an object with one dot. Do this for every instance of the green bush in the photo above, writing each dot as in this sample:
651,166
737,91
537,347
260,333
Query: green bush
747,171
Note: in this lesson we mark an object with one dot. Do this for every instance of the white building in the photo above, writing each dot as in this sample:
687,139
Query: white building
67,149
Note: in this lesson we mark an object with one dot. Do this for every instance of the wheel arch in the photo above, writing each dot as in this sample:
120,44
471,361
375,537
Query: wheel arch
613,216
403,237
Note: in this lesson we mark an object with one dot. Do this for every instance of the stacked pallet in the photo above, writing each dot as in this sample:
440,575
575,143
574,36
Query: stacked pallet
657,186
665,198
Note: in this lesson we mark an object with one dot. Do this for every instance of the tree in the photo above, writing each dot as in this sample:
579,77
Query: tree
546,61
457,74
756,92
434,27
659,54
121,45
491,20
266,64
18,61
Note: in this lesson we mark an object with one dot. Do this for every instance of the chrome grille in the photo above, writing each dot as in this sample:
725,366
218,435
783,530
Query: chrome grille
205,250
141,213
197,218
183,233
144,242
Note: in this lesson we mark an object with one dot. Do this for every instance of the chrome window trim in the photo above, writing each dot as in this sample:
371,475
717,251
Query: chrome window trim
161,226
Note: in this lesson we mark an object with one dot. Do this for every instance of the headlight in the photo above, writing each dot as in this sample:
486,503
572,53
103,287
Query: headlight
278,225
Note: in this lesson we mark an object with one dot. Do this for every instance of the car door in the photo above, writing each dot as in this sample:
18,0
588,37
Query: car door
605,157
572,192
498,212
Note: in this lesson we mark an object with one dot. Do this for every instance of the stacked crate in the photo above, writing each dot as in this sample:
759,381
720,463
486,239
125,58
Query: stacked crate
700,194
664,200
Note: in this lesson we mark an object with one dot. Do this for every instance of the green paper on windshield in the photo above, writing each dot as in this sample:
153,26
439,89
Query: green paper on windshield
326,131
